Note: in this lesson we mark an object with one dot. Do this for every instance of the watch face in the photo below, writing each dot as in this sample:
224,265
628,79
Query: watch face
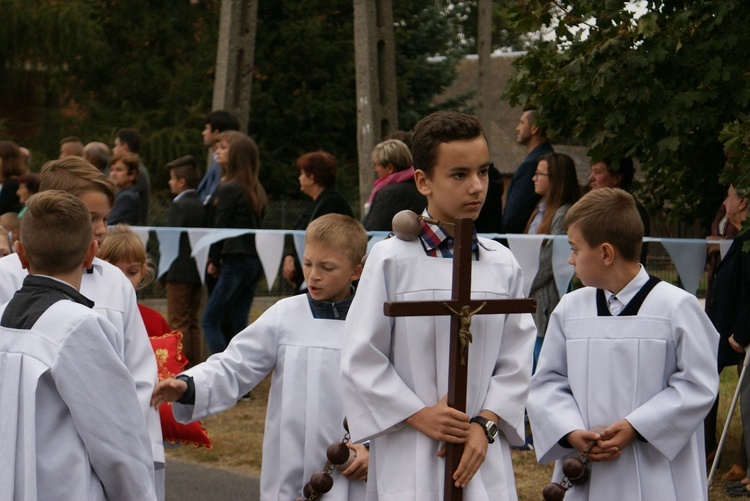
492,429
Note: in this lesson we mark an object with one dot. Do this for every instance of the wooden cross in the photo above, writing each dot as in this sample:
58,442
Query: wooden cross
461,307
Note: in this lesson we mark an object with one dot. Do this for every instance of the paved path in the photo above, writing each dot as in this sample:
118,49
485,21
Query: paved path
195,482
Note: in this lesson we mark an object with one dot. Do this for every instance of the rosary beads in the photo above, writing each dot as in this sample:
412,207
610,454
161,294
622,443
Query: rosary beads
339,456
575,473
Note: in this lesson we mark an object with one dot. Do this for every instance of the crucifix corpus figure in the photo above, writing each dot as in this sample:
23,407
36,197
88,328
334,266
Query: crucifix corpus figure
464,332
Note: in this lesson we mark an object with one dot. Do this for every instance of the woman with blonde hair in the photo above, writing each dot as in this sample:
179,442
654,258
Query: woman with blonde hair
394,189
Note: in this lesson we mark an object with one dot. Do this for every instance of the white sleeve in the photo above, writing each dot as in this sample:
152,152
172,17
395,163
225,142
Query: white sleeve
100,393
552,409
225,377
376,399
509,385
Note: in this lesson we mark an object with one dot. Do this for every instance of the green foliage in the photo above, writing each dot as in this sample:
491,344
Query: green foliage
91,67
736,139
658,88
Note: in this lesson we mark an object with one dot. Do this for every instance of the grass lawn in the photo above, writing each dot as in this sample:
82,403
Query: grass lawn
237,437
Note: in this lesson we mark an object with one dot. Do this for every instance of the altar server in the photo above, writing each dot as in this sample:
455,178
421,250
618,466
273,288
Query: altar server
395,370
105,284
299,339
630,354
70,423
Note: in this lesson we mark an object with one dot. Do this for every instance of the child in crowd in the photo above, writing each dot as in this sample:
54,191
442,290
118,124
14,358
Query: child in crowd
72,427
183,283
124,249
395,370
629,355
104,284
299,339
123,171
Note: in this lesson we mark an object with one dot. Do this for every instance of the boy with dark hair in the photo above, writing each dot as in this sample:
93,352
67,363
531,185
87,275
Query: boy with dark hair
183,282
106,285
629,355
71,385
395,370
299,339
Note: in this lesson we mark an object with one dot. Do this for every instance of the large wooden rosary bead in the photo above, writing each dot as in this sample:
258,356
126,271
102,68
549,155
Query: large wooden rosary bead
553,492
321,482
406,225
338,453
575,470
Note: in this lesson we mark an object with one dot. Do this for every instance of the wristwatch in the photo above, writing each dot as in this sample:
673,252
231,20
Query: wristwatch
490,428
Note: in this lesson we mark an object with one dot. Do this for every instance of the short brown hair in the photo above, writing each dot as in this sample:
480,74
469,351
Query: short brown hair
56,232
321,165
77,176
608,215
186,168
130,160
440,127
339,232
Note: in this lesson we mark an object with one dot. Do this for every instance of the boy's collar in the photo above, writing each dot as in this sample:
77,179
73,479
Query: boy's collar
329,310
438,243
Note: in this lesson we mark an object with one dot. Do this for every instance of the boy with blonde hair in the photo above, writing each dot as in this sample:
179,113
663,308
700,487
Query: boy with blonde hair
61,358
299,339
631,355
104,284
395,370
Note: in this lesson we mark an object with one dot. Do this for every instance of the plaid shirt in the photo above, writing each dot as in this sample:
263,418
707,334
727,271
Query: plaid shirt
438,243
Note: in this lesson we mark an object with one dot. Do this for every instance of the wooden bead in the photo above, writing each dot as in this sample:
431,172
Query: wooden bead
307,490
553,492
321,482
337,453
406,225
574,469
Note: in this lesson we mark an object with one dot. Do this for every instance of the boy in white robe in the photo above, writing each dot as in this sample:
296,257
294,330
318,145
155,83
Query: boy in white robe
70,424
630,354
107,286
395,370
299,339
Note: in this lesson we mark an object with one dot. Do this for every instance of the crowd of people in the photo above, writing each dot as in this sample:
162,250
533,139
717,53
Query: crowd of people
624,367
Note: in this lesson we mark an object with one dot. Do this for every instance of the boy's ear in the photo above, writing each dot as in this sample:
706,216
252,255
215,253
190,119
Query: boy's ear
608,253
88,259
18,246
357,272
422,182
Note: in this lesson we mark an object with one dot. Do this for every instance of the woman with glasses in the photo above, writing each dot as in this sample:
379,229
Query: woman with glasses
557,183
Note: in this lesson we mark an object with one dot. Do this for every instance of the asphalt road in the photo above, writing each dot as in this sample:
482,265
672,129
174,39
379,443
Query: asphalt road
194,482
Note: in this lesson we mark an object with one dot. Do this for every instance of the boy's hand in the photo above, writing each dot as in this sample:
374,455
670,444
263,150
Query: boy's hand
616,437
358,468
441,423
475,450
582,439
169,390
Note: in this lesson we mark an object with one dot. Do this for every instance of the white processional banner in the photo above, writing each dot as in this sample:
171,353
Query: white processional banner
562,271
270,247
526,250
